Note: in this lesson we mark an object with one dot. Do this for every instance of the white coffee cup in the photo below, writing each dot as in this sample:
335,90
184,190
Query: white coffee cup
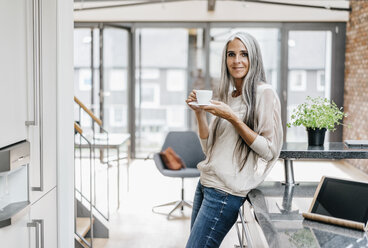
204,96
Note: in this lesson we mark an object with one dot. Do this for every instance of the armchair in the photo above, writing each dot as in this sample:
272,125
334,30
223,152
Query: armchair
186,144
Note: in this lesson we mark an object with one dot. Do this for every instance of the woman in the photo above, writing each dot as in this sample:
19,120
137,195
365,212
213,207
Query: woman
241,144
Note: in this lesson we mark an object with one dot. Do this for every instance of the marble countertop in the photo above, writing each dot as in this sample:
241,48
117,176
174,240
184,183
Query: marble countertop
331,150
278,209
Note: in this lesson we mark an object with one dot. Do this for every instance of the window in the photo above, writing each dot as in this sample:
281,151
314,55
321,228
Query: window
176,80
308,54
118,79
116,116
169,58
86,120
149,74
298,80
162,82
175,120
150,95
271,78
115,82
321,80
85,79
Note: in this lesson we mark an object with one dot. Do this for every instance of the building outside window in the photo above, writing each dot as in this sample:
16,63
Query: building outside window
321,81
117,115
176,80
298,80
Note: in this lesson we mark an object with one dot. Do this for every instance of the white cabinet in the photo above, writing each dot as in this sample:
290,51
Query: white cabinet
34,227
28,85
13,71
16,235
44,212
43,138
49,28
28,93
24,96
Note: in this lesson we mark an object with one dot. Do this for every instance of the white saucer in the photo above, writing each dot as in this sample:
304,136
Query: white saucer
196,104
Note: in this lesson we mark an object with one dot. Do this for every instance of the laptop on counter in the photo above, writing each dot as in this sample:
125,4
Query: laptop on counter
340,202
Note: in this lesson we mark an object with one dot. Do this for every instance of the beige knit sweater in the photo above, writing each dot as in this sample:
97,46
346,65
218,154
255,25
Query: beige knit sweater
223,170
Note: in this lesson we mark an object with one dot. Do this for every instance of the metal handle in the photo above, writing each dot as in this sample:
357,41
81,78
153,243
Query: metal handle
38,7
36,224
35,54
41,232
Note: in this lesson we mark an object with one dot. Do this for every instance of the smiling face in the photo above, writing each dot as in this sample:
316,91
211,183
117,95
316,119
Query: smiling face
237,60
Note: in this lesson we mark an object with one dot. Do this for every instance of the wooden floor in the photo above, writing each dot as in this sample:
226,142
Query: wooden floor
134,225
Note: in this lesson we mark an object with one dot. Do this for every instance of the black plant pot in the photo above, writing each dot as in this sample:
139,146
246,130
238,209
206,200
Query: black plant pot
316,137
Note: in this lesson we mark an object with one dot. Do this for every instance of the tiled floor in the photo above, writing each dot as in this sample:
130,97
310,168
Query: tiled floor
134,225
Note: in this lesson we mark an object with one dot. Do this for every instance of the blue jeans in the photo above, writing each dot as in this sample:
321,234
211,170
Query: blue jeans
214,213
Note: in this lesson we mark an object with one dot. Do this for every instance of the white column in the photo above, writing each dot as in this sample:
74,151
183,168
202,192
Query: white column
65,119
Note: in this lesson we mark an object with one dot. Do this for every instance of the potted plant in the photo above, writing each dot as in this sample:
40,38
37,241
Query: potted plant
317,115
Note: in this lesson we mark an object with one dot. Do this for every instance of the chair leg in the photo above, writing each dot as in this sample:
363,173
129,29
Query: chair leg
182,193
166,204
188,204
177,204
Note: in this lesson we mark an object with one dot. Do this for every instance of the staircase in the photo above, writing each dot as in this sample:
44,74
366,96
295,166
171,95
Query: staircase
83,230
83,226
91,223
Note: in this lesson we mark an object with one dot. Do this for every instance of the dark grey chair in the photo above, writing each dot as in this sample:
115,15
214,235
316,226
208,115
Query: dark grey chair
186,144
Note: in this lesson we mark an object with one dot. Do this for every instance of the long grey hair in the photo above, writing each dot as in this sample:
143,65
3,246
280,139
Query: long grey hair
255,75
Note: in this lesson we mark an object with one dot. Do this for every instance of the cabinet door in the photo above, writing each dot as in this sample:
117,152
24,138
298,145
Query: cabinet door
49,49
16,235
44,212
13,71
43,169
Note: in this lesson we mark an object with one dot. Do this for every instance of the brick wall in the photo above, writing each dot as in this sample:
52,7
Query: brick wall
356,76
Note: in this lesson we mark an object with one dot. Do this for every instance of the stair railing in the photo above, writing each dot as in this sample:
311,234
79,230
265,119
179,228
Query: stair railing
78,130
96,140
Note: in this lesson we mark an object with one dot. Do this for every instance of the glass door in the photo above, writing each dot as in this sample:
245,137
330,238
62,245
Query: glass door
114,89
169,63
309,72
101,83
86,71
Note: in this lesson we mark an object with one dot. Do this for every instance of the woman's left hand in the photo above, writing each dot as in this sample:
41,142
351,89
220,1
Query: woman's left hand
220,109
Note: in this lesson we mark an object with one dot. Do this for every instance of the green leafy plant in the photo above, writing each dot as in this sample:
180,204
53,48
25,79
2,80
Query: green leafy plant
317,112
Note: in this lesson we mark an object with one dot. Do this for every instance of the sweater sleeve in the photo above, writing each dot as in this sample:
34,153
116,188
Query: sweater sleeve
204,145
269,127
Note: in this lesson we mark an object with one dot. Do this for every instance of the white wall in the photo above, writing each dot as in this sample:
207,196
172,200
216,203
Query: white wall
224,11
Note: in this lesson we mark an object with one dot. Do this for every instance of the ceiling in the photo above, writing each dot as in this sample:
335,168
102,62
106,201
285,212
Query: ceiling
211,10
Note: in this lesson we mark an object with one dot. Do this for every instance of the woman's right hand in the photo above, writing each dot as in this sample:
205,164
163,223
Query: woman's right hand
200,115
193,98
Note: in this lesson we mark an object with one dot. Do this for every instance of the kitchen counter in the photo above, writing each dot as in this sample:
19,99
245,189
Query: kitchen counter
278,209
333,150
